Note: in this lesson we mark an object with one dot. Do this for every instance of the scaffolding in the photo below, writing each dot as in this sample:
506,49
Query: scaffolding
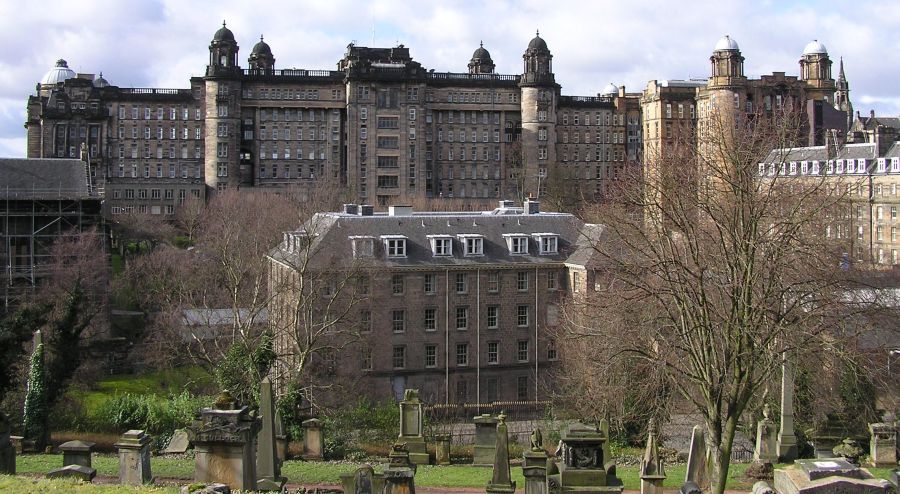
32,221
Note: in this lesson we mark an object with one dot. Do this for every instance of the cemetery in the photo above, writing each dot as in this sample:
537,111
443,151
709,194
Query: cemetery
231,448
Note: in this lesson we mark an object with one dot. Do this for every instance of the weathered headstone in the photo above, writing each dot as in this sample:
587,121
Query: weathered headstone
762,487
224,440
363,481
399,476
827,476
412,427
786,445
77,453
281,441
500,479
604,429
7,450
698,460
214,488
534,465
268,466
849,450
179,443
134,458
17,443
765,438
442,449
313,440
652,472
895,479
582,467
690,487
883,445
485,440
80,472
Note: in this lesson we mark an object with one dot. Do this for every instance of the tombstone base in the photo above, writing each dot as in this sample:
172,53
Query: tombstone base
270,485
787,448
207,489
80,472
827,477
501,488
760,470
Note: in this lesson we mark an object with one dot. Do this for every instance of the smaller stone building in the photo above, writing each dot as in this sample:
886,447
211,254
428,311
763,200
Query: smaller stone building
458,305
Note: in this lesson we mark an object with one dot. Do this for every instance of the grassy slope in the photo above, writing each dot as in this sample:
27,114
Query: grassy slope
160,383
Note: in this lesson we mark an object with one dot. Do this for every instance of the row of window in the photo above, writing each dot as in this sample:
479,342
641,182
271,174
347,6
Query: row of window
600,118
161,152
159,113
154,194
170,133
278,93
461,283
472,244
131,170
610,137
857,166
399,318
461,357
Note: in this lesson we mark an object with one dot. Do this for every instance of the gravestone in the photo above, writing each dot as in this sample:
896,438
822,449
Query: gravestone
268,466
895,479
883,445
80,472
582,467
786,444
690,487
134,458
607,456
485,440
7,450
652,472
765,450
363,481
77,453
849,450
206,489
313,440
179,443
224,440
827,476
500,479
411,427
281,441
762,487
442,448
399,476
698,460
534,465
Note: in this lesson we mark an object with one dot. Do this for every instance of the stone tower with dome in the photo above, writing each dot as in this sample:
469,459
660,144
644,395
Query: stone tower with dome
261,57
815,70
223,113
540,98
481,62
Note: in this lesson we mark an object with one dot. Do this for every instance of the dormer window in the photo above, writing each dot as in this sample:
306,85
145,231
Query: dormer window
363,246
517,243
394,245
441,245
473,244
547,243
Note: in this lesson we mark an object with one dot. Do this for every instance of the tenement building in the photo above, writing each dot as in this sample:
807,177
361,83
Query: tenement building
381,127
460,305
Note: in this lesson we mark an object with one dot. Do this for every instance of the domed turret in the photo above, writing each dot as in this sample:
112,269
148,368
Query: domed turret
726,43
261,57
610,90
727,63
815,48
538,63
58,73
481,62
99,81
223,51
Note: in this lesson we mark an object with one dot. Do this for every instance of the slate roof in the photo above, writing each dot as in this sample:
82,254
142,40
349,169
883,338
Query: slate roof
40,178
870,123
333,248
818,153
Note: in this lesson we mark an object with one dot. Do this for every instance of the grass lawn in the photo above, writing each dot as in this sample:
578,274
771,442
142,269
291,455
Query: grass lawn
26,485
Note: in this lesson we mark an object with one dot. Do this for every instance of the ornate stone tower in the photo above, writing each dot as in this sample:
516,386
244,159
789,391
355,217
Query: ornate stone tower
540,97
842,95
727,65
223,111
261,57
481,62
815,70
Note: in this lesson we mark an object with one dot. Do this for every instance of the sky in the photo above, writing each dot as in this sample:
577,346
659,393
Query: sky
162,43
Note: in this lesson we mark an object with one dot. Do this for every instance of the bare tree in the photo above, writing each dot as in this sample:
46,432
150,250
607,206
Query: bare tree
709,273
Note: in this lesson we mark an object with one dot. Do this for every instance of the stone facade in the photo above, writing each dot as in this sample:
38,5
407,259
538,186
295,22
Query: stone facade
456,305
381,126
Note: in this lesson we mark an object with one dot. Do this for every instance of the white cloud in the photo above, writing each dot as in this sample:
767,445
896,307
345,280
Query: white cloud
163,43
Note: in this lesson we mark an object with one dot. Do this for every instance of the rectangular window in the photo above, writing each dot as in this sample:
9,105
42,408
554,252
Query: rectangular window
430,282
522,351
518,245
522,316
461,282
522,388
442,246
395,247
493,353
366,359
522,281
398,358
462,318
474,246
430,321
493,281
548,244
397,284
462,354
365,321
430,356
398,320
551,350
492,316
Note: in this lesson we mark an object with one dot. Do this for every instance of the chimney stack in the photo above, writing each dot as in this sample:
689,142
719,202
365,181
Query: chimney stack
532,206
350,208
